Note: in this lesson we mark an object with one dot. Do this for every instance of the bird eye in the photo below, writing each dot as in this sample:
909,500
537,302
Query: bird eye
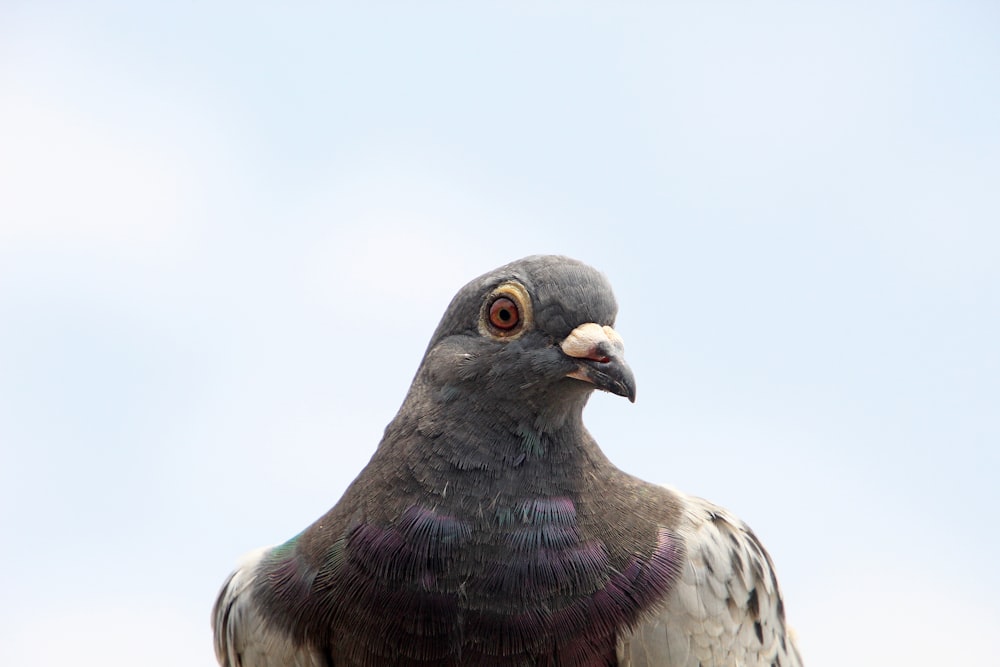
506,311
504,314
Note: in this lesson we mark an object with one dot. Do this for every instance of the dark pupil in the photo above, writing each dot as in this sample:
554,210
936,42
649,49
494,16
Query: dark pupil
503,313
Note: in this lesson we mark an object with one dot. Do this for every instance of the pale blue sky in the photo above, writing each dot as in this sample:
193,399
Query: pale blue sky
227,232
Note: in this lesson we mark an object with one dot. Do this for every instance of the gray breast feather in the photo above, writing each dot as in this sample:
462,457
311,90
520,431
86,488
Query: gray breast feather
243,638
725,609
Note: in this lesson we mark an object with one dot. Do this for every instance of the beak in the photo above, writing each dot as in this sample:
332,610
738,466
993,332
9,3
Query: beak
600,352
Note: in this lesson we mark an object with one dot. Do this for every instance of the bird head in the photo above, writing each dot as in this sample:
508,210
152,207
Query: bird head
536,331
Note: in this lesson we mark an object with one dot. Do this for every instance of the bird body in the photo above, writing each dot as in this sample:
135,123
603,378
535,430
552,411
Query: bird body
490,529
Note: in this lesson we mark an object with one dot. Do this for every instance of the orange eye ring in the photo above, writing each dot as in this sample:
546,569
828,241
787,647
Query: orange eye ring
504,313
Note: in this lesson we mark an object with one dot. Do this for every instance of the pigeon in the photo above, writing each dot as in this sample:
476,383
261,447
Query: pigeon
490,529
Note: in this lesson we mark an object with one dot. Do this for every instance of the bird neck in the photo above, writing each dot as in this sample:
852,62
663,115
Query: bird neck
508,446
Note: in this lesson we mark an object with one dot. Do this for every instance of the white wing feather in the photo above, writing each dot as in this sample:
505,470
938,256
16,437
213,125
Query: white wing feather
725,609
243,638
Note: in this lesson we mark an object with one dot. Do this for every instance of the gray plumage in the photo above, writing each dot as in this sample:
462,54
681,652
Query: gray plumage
489,528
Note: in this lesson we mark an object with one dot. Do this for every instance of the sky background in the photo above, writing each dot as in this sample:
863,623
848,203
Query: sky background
228,230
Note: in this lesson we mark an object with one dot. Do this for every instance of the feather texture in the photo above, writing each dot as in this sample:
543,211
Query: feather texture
725,609
243,638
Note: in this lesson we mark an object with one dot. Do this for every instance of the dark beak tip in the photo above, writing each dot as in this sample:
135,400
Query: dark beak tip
617,378
628,391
